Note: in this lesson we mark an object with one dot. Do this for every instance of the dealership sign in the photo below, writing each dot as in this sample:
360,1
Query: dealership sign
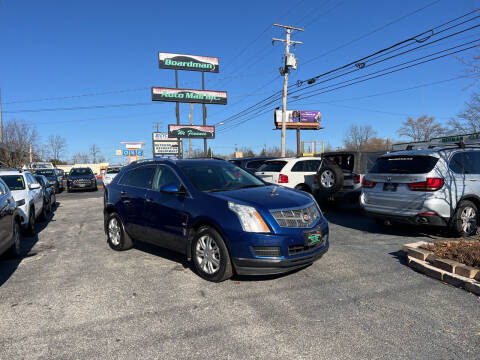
187,62
189,96
302,119
191,131
163,145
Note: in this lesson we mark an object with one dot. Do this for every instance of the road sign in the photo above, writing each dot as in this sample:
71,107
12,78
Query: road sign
125,152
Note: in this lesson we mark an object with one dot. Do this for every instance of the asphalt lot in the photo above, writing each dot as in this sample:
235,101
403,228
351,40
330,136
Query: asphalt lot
72,297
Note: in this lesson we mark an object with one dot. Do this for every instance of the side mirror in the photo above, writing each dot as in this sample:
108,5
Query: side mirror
34,186
172,189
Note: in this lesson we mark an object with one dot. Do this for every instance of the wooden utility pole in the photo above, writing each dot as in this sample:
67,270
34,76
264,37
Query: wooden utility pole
190,139
157,124
177,113
1,119
290,61
204,110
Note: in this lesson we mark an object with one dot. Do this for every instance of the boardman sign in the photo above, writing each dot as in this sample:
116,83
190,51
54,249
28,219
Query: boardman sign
191,131
187,62
189,96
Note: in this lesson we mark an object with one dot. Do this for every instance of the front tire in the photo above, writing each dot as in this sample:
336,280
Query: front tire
210,255
16,248
465,220
117,237
30,230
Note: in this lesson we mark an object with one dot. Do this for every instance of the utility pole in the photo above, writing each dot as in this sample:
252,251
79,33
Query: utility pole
177,113
290,61
204,111
157,124
1,119
190,139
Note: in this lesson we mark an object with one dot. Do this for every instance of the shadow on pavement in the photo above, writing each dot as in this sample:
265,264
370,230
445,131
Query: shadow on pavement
400,256
163,252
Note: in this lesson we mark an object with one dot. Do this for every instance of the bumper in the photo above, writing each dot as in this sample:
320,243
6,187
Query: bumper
277,266
80,187
419,219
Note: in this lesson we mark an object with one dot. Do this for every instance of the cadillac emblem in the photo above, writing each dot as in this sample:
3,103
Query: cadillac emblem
306,218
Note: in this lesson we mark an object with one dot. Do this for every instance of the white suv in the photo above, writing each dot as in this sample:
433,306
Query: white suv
295,173
28,195
110,174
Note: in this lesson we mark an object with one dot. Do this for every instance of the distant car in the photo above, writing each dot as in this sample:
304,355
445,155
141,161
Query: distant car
49,198
81,178
251,164
297,173
52,177
41,165
28,195
110,173
10,220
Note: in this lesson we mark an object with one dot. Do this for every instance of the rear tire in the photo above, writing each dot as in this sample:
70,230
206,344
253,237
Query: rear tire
117,237
16,249
465,221
210,255
30,230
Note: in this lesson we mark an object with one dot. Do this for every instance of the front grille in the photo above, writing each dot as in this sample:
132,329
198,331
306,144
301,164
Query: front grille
298,218
300,249
266,251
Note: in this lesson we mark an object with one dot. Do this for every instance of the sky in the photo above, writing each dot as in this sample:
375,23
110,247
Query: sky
101,59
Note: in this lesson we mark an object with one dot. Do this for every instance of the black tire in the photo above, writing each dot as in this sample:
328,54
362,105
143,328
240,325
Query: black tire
16,248
124,241
218,251
44,213
465,221
30,230
96,187
330,178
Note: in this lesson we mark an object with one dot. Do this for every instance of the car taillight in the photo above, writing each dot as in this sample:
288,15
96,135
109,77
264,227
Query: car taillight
368,184
356,179
431,184
282,179
315,179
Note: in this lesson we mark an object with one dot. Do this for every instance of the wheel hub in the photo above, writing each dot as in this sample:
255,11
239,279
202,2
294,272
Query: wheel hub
207,254
327,179
469,219
114,231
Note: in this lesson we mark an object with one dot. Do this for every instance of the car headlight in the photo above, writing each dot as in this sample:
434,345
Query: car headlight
20,202
250,219
52,182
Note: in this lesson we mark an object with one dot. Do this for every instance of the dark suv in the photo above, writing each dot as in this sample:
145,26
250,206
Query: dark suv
252,163
220,216
341,172
81,179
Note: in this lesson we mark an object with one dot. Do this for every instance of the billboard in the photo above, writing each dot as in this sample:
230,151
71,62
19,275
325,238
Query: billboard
163,145
303,119
189,96
191,131
187,62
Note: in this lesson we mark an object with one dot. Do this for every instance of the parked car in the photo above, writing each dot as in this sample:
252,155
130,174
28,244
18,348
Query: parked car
252,163
110,173
49,198
341,172
41,165
81,179
10,222
439,187
220,216
28,196
52,177
295,173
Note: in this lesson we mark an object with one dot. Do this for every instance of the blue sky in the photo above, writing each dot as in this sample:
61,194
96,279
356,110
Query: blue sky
54,49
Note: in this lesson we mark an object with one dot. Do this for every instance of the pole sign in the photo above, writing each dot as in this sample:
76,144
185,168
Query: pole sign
191,131
189,96
187,62
302,119
163,145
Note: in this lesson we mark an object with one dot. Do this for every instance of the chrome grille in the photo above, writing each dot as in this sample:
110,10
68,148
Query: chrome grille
297,218
82,181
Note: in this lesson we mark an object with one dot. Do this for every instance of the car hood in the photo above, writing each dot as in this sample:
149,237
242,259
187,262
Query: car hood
77,177
266,197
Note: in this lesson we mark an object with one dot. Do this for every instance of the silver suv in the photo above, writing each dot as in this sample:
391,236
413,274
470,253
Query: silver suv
438,187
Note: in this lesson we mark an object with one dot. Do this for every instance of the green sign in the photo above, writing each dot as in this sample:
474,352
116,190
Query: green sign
191,131
189,96
187,62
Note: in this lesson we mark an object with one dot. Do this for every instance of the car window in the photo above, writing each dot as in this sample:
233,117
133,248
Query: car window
476,162
39,179
299,166
465,162
312,165
404,164
236,162
273,166
3,189
141,177
81,171
14,182
255,164
166,176
30,179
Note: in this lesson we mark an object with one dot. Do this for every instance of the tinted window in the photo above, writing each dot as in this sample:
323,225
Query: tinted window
14,182
236,162
312,165
40,179
403,164
255,164
30,179
3,189
273,166
141,177
299,166
81,171
166,176
466,162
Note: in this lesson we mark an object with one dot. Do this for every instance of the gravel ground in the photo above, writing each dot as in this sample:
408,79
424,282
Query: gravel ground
72,297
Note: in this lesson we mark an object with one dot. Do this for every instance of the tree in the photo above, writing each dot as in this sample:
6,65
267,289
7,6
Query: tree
19,139
469,119
80,158
422,129
56,146
94,152
209,152
356,136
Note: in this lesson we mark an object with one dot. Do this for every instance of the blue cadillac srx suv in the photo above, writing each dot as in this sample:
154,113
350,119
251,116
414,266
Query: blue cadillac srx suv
220,216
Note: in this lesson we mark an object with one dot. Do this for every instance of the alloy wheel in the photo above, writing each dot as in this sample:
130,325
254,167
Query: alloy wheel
114,231
469,219
207,254
327,179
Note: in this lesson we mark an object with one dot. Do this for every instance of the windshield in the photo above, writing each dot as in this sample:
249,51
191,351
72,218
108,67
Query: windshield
81,171
44,172
219,177
273,166
404,164
14,182
113,170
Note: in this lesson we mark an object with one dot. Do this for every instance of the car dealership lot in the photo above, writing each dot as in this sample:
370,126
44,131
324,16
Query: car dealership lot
71,296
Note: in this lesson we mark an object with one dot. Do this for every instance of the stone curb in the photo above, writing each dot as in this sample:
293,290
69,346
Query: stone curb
449,271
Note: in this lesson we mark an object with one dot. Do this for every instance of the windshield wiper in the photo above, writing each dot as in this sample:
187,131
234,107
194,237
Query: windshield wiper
250,186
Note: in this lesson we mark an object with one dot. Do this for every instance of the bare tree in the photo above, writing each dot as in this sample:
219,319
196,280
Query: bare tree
469,119
56,145
19,138
94,152
422,129
356,136
80,158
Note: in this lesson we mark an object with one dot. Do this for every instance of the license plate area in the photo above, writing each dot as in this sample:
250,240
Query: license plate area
390,187
313,237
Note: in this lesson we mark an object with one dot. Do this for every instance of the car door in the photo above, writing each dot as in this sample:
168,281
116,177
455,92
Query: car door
5,218
134,185
472,172
36,195
165,213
